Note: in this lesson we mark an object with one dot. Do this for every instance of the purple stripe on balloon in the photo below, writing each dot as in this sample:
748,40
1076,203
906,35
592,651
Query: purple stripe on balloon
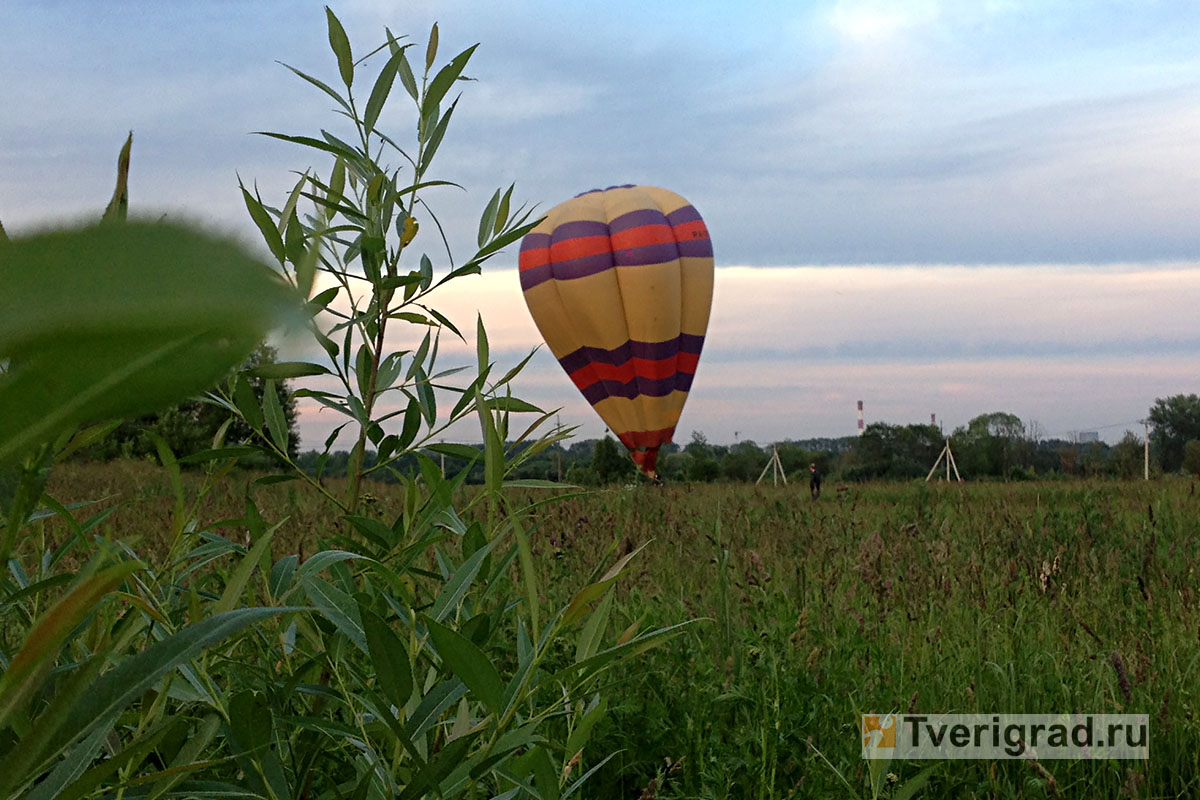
638,387
682,215
696,248
581,267
535,275
535,241
579,228
593,191
651,351
636,219
646,254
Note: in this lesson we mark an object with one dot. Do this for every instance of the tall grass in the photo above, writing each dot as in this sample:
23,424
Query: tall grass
1018,598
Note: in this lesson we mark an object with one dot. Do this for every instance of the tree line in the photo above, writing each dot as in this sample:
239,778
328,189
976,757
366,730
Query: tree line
996,446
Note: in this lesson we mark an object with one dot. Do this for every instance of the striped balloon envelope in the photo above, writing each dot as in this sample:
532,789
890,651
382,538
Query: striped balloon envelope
619,282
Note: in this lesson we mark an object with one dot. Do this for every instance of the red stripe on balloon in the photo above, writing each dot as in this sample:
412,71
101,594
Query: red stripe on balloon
586,376
687,231
644,440
580,247
643,235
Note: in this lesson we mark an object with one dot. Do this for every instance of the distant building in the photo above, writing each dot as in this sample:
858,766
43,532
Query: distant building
1087,437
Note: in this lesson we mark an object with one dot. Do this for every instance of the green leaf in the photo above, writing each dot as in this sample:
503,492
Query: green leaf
383,87
117,688
481,344
118,206
389,657
241,576
465,452
283,370
340,45
324,87
316,144
456,587
916,783
134,753
593,629
493,446
502,212
431,48
513,405
444,80
535,483
115,321
469,664
425,395
404,70
583,731
487,221
87,437
70,768
336,606
273,414
411,426
29,666
266,225
247,403
435,138
294,235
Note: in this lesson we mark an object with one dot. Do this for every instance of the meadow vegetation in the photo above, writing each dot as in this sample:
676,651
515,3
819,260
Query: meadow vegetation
1022,597
178,626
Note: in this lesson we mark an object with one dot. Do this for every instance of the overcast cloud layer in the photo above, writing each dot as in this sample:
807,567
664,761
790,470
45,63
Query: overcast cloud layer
1056,136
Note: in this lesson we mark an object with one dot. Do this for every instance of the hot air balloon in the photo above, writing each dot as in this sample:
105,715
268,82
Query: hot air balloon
619,282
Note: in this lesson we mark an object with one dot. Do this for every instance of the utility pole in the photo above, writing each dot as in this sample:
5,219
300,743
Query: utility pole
1146,450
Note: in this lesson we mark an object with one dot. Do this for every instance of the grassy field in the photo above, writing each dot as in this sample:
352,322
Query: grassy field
1017,598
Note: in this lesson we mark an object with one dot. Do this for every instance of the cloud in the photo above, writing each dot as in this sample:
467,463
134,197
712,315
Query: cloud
789,350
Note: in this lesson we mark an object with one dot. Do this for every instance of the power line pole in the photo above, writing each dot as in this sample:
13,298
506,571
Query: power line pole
1146,450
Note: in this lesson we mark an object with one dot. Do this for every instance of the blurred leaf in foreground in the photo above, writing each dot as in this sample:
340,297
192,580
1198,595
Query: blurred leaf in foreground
114,321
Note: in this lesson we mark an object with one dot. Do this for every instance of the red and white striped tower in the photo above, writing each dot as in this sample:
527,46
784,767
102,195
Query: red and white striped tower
933,420
860,418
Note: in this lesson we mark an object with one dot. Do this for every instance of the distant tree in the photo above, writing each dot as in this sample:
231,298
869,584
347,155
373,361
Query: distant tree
191,426
1068,457
1176,421
895,452
1095,461
1191,457
744,462
989,444
674,467
582,475
610,462
1127,457
704,465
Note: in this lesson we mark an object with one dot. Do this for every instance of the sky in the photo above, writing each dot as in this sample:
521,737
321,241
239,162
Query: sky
935,207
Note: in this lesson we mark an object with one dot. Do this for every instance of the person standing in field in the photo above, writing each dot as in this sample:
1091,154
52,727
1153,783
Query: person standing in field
814,481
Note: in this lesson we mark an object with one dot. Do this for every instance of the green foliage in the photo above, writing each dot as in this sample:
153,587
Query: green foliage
195,424
1191,457
1127,457
610,462
890,597
113,321
1175,421
410,655
990,444
896,452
